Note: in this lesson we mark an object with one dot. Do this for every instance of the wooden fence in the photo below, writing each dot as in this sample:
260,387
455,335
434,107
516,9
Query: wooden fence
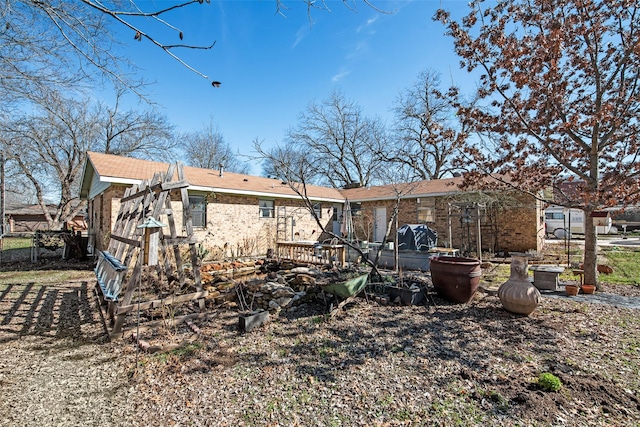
311,252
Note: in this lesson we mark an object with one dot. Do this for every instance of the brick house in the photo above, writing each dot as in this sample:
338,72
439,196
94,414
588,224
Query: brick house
233,214
509,221
242,215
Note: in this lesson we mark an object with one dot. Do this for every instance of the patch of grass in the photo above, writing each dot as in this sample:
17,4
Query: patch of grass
176,355
625,264
317,320
188,350
43,277
501,402
496,275
16,242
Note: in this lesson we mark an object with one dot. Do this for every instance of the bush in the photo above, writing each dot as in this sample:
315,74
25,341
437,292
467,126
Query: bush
549,382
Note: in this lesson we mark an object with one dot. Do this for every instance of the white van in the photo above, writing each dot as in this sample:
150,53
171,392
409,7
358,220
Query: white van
558,219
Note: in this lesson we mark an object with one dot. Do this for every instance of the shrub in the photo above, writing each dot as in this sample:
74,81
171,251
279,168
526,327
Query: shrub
549,382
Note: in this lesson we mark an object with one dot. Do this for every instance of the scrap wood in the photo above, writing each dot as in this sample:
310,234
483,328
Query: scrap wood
148,348
193,327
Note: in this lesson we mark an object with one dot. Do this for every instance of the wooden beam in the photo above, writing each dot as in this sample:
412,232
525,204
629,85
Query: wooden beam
169,241
156,323
135,195
173,185
131,242
161,302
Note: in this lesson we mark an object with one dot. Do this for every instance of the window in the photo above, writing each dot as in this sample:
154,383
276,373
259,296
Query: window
554,215
426,210
317,208
198,207
266,208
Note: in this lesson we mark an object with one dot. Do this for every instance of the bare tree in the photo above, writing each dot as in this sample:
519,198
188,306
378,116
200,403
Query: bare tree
58,45
339,142
49,45
426,130
560,87
277,157
144,134
59,134
296,172
206,148
58,137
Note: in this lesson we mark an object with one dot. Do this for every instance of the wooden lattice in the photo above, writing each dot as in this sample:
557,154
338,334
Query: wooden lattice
151,198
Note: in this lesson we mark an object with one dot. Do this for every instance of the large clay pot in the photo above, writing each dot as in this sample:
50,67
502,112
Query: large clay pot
455,278
517,294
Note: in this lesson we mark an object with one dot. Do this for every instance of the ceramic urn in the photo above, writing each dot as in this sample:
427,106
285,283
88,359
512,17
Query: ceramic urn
518,295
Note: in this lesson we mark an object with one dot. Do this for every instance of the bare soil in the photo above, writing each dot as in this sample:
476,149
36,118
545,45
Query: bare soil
371,364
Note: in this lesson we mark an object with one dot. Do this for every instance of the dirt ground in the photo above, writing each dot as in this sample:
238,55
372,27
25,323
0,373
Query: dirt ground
371,364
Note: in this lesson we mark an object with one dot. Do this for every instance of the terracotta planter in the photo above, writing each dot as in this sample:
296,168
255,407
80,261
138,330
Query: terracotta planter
571,290
456,278
588,289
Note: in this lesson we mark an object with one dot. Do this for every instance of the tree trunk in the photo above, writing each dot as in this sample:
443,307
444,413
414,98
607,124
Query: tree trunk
590,251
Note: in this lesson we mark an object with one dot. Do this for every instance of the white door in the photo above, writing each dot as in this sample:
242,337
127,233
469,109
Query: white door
379,224
336,219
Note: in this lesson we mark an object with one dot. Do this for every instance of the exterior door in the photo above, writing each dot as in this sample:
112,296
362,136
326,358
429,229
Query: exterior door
337,214
379,224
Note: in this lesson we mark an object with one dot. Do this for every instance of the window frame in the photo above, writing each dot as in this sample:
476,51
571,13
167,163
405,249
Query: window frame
202,201
317,208
426,211
266,208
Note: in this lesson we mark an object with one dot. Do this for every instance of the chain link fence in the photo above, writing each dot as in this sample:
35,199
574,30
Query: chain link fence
32,247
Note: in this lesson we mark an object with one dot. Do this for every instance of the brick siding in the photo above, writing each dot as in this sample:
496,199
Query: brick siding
519,228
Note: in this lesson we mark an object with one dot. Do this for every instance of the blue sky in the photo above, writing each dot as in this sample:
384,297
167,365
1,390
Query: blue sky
272,66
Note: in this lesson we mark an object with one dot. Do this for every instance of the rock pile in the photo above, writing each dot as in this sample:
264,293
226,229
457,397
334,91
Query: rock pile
284,289
222,291
284,286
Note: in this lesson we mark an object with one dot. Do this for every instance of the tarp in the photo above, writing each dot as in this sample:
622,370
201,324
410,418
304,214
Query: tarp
416,237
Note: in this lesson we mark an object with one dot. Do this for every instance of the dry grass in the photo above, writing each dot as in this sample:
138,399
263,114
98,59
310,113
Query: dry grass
439,364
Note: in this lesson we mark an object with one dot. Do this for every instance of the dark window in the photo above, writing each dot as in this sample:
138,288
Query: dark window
198,211
554,215
317,208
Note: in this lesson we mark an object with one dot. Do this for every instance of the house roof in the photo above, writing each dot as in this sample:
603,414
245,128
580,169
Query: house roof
26,209
29,209
437,187
108,168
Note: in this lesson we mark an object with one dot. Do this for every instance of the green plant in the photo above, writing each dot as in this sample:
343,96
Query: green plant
201,252
188,350
549,382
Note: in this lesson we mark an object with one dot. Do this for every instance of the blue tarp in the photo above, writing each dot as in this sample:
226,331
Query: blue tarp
416,237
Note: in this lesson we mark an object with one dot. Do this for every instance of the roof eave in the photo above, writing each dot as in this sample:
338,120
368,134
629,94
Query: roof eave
404,197
128,181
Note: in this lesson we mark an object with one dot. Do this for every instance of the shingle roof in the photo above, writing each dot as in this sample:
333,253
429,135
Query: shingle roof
30,209
116,169
415,189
